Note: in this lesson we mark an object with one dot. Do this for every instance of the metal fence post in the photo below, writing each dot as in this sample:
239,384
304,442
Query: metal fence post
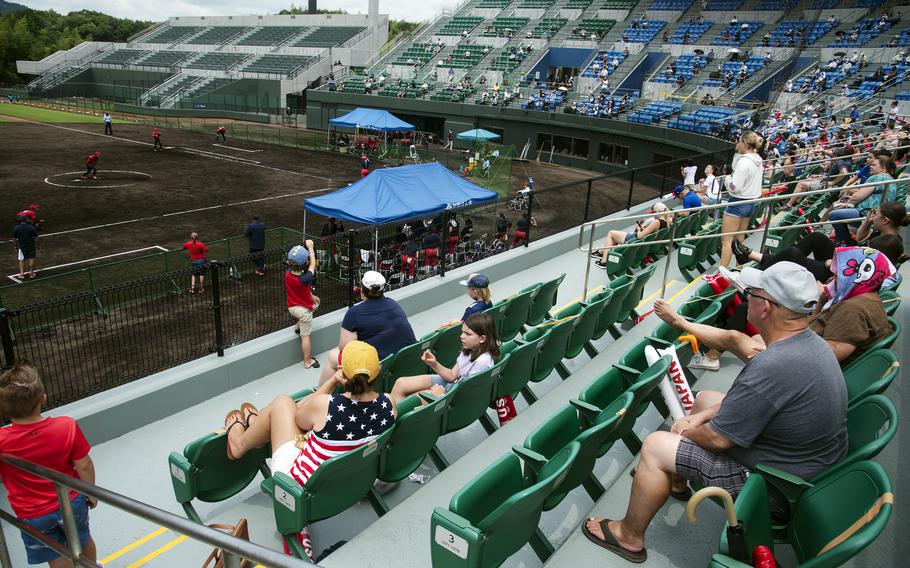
588,200
631,186
5,561
216,307
69,521
350,268
6,337
444,248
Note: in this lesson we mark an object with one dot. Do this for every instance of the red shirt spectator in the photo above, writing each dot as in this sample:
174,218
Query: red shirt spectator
196,249
62,443
299,290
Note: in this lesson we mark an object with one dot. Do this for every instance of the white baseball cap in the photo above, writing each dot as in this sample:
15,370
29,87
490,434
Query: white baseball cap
373,279
787,283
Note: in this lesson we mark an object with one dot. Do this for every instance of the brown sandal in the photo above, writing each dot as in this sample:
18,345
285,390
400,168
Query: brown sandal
229,423
247,411
610,543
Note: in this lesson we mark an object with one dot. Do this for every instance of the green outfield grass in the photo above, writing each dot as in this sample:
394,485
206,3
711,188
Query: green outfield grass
42,114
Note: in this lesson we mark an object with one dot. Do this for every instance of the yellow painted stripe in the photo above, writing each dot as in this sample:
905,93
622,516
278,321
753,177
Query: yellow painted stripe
670,284
158,552
686,287
133,546
578,299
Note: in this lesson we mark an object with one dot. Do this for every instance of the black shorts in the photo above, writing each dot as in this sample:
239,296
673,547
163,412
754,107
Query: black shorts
29,253
200,266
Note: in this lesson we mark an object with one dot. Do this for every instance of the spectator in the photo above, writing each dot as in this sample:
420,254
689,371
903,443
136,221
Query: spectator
690,199
479,350
502,224
863,200
783,410
744,183
56,443
298,287
661,220
198,261
377,320
255,232
479,291
467,231
709,187
26,236
305,436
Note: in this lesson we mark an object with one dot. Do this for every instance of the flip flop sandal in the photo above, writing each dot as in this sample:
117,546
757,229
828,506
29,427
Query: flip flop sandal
678,495
227,430
247,411
314,364
609,542
297,330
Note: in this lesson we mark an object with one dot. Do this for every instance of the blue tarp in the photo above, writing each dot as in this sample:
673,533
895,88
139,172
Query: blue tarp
389,194
371,118
478,134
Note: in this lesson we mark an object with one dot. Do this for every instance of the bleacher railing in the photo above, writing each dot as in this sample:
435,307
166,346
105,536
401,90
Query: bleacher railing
234,550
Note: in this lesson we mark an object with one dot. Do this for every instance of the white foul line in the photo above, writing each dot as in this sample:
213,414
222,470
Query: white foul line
238,149
15,277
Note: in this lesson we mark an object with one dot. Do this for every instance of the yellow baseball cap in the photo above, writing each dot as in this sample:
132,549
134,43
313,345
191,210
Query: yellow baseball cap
360,358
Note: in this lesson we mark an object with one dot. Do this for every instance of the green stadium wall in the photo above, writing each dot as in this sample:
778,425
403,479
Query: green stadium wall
243,95
117,85
646,144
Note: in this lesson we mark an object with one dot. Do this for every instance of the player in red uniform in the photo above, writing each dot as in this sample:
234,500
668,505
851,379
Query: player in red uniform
156,136
91,165
32,215
221,132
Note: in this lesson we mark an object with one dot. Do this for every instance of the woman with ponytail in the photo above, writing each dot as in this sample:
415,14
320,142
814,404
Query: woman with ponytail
198,261
744,183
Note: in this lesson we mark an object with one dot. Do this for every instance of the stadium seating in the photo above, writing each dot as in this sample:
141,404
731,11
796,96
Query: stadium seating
811,31
216,35
686,66
548,26
217,61
728,36
459,24
586,27
121,56
652,113
703,120
283,64
205,88
862,33
271,35
643,31
604,59
326,36
691,30
172,34
164,58
505,26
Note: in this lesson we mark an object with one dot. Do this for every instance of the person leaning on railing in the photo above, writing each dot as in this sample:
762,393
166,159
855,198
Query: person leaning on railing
744,183
56,443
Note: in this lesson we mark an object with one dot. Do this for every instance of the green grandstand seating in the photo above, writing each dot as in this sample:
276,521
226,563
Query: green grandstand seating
446,343
271,35
515,312
493,3
595,401
550,26
216,35
471,396
544,300
495,514
121,56
619,4
536,3
336,485
459,24
328,36
217,61
556,344
578,4
406,362
518,368
632,299
500,26
821,515
204,89
620,288
592,25
465,57
164,58
604,320
872,373
171,34
283,64
417,428
588,317
415,52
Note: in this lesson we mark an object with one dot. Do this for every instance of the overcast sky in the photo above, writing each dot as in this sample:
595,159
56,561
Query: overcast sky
158,10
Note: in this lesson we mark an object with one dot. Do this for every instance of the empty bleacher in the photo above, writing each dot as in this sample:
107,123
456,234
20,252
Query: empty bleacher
548,26
121,56
459,25
271,35
206,88
217,61
654,112
505,26
328,36
586,27
273,63
172,34
671,5
642,31
798,30
164,58
216,35
689,32
703,119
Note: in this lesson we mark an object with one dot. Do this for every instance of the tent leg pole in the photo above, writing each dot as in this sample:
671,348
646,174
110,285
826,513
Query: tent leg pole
376,250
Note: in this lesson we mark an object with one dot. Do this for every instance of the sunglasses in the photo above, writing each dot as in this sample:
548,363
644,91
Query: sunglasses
748,292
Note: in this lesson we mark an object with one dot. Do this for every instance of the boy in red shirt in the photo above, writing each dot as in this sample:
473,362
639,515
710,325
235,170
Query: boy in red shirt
156,136
91,165
56,443
298,284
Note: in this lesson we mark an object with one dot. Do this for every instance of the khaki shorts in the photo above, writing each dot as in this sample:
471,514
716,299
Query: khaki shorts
304,317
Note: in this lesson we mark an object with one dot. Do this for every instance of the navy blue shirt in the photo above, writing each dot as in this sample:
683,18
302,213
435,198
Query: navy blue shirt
256,233
26,235
381,323
431,240
691,201
475,308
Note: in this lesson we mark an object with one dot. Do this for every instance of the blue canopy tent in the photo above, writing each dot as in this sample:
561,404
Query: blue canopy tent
371,119
478,134
391,194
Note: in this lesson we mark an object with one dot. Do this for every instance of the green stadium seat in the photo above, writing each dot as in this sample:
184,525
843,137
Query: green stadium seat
872,373
544,300
495,514
620,288
518,368
446,343
554,351
416,431
515,312
335,486
588,316
636,292
406,362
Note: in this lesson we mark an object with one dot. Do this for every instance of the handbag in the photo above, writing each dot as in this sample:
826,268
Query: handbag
240,530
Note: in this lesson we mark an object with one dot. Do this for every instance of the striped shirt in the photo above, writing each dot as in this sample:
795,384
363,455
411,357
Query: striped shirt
349,425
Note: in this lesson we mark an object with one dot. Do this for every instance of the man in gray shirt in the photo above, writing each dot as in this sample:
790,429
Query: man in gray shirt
786,409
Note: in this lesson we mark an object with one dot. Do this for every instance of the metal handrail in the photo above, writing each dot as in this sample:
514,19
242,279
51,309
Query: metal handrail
234,549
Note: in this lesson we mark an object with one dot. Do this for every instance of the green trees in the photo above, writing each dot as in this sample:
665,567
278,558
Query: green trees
35,34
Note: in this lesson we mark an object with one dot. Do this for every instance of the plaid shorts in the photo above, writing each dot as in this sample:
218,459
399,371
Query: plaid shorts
705,468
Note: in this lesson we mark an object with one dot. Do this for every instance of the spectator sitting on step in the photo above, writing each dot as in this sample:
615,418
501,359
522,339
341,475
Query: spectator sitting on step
784,410
377,320
661,220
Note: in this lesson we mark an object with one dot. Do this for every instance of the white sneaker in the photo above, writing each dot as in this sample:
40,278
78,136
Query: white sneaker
700,361
731,277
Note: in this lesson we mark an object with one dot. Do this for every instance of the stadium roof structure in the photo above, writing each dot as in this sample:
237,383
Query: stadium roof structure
392,194
478,134
372,119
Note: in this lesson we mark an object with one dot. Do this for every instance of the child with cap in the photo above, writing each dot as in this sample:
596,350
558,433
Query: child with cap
321,426
479,291
298,286
56,443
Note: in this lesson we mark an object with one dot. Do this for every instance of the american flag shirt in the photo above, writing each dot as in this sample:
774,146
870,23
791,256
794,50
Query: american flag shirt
349,425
